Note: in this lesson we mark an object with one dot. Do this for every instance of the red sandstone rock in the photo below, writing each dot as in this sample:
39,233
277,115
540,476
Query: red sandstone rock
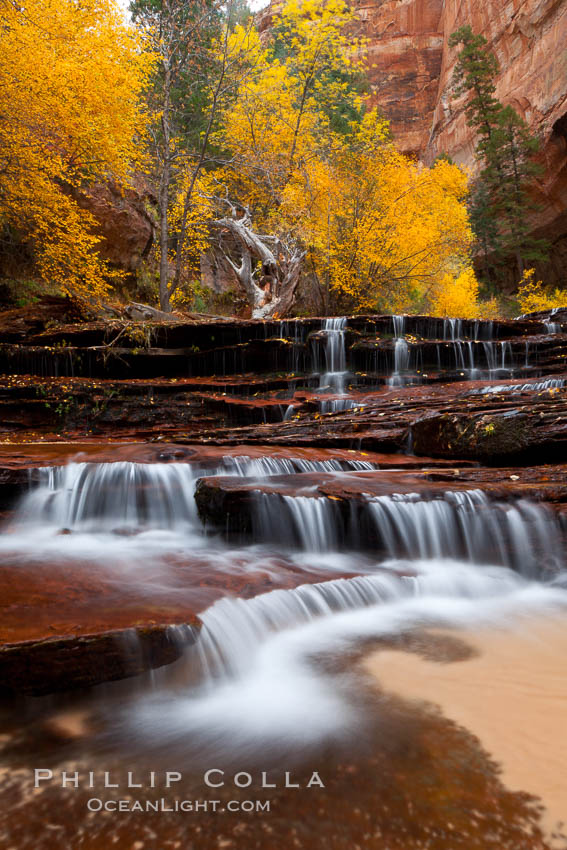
123,221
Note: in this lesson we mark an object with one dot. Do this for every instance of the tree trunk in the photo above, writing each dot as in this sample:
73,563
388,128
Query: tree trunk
165,178
282,267
163,240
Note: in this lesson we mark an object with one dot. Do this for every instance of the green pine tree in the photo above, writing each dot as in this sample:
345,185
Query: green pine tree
500,199
485,229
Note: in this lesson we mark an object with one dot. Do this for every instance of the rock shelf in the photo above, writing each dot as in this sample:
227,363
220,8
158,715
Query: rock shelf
425,405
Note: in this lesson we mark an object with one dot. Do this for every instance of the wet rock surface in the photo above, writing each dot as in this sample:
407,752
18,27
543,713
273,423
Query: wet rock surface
420,406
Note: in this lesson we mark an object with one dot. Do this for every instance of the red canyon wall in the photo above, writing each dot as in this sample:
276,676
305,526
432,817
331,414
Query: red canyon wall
411,67
405,52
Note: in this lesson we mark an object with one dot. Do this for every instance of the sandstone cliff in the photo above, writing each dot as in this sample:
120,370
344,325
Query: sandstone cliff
411,69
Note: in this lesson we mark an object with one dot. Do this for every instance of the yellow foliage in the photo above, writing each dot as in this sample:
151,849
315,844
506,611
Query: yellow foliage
280,119
380,230
456,296
196,243
489,309
72,78
534,296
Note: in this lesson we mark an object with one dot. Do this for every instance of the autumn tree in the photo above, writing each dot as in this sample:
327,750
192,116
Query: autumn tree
311,186
200,66
500,199
70,115
533,296
305,90
382,230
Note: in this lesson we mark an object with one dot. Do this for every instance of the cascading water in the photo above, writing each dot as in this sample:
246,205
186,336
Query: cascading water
401,353
86,508
452,329
534,386
335,355
251,680
469,348
106,497
521,535
270,676
256,686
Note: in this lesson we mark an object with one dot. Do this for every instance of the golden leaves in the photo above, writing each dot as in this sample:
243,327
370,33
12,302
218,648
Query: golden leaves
534,296
72,78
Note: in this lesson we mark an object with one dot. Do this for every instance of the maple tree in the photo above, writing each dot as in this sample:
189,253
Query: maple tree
71,111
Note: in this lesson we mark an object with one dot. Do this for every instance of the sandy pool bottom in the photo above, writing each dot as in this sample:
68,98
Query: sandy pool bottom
511,693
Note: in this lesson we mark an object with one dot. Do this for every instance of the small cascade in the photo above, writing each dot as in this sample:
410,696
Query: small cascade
260,467
452,329
106,497
401,362
127,497
289,411
498,356
553,327
483,359
462,524
335,405
233,628
335,355
466,525
401,353
535,386
253,683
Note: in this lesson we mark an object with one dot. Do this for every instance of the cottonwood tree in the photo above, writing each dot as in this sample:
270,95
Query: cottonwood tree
199,68
312,185
380,228
305,86
71,114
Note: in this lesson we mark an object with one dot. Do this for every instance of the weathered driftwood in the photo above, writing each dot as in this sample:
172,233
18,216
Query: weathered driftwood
144,313
279,272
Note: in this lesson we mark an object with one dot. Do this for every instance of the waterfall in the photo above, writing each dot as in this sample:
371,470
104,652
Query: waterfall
253,684
466,525
104,497
461,524
401,353
288,412
452,329
401,363
259,467
553,327
335,405
231,627
399,326
129,497
335,355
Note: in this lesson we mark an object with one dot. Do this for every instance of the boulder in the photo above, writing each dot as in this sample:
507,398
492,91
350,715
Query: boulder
483,437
